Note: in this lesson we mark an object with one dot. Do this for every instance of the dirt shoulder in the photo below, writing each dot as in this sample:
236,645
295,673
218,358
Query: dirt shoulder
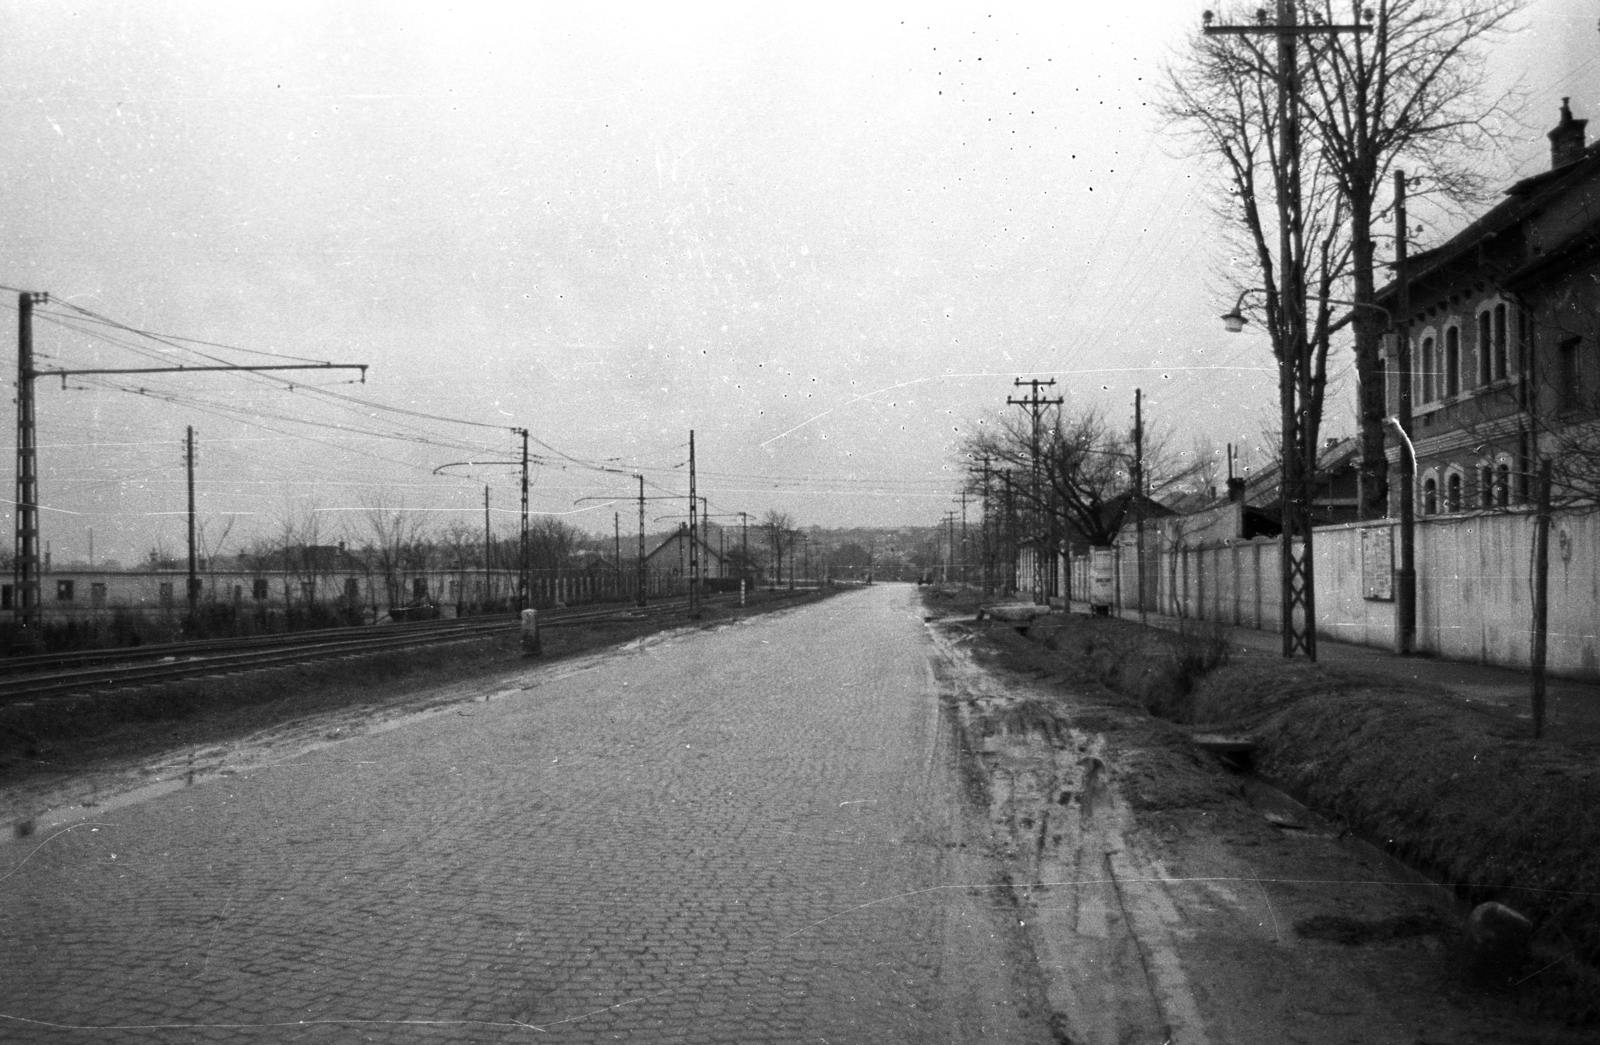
91,750
1168,895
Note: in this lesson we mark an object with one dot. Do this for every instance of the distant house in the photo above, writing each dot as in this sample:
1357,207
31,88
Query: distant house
1253,506
593,564
671,556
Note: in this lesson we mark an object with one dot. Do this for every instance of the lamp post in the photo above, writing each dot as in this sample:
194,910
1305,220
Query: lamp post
1405,574
1297,392
1405,578
1295,500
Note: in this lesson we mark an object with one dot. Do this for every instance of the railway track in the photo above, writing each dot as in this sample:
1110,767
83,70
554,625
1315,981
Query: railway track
56,674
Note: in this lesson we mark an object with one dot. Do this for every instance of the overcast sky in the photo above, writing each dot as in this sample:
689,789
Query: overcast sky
825,239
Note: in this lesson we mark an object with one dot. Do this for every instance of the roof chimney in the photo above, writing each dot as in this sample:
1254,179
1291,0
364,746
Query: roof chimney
1567,140
1235,491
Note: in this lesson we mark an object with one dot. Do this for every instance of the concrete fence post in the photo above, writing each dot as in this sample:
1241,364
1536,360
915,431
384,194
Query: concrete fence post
531,646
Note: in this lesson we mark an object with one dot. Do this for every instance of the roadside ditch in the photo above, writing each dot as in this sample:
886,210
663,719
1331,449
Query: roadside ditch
1087,754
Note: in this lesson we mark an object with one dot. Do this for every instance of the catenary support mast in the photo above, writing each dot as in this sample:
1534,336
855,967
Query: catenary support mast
25,588
27,563
194,574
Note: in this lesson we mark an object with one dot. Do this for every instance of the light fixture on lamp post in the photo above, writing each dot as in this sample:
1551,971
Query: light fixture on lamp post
1234,320
1406,575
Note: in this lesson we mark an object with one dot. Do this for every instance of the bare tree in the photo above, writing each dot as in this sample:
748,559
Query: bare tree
463,544
1410,90
210,541
394,534
1234,99
1284,210
1086,490
299,530
552,543
1410,93
781,536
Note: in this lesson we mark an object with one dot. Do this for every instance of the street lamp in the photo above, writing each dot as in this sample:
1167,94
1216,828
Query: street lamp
1406,576
1234,320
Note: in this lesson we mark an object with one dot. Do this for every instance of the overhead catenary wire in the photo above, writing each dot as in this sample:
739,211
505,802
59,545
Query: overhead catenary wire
375,422
242,415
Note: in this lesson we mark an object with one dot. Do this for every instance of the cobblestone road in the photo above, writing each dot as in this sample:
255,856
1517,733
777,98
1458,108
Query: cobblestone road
742,835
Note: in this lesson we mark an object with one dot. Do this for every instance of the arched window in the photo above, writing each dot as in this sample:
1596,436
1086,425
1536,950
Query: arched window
1569,369
1430,496
1452,492
1485,347
1427,395
1500,342
1452,361
1486,486
1502,484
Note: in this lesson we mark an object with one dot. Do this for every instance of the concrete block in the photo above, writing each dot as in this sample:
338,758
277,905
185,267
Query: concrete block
531,646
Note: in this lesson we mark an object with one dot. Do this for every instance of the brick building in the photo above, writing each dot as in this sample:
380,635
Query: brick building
1503,325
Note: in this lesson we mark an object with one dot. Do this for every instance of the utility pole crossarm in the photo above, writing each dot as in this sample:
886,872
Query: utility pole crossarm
1269,29
65,372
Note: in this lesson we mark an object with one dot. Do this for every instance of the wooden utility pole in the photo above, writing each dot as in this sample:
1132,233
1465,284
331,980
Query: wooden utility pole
985,530
949,543
488,553
642,575
1035,405
1541,596
194,575
963,536
694,535
1009,544
522,566
1138,497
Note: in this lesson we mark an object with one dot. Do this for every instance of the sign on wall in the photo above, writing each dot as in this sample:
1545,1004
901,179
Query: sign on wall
1102,576
1377,563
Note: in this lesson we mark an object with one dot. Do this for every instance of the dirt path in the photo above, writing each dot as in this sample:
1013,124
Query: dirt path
1169,900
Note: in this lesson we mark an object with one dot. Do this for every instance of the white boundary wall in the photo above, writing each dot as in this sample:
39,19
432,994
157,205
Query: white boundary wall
1474,591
